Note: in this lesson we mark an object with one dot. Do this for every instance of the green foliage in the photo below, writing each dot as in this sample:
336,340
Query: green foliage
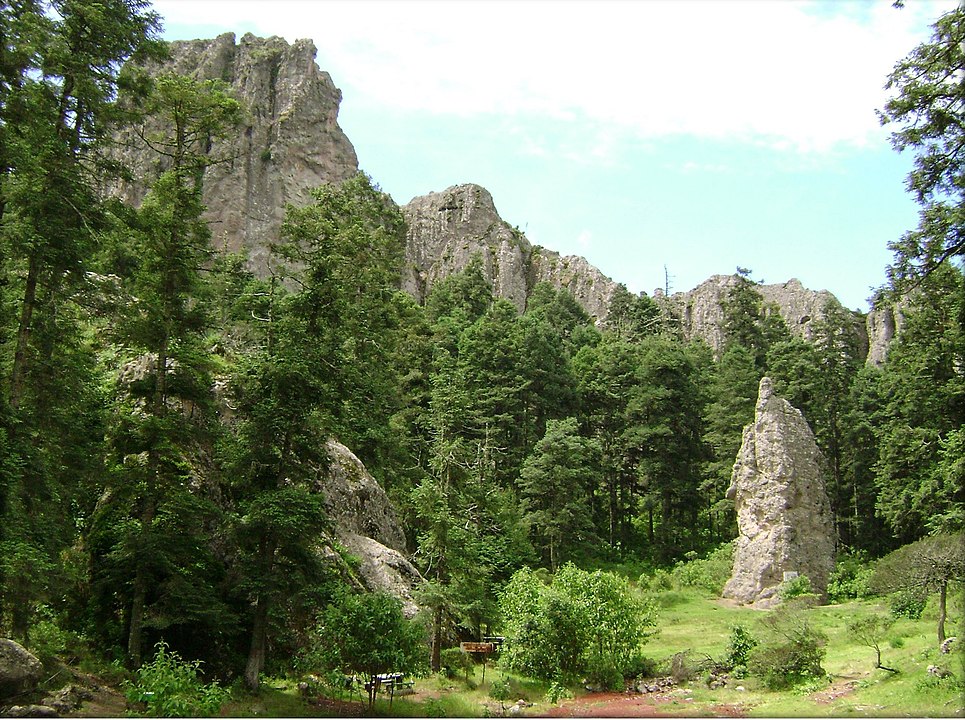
557,692
455,661
924,109
791,650
171,687
368,634
849,579
795,587
907,603
871,631
582,624
739,649
710,573
553,486
500,689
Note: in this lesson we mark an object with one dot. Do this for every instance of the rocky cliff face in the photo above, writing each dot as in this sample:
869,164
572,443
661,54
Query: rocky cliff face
783,512
447,228
289,142
884,323
702,316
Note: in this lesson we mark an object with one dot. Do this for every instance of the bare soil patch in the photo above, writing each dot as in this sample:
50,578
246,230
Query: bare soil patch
613,705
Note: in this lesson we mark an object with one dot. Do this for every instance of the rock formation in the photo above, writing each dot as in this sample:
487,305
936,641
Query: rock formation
364,522
884,323
290,140
783,512
701,310
20,671
447,228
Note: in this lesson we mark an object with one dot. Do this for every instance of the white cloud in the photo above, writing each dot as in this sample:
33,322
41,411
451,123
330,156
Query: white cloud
788,75
584,239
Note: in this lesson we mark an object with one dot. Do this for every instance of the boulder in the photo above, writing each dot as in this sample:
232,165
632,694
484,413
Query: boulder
383,569
365,524
20,671
355,502
783,512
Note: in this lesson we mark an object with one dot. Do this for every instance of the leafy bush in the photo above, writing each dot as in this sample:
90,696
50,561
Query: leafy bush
908,603
710,573
849,579
500,689
367,633
742,642
795,587
659,581
581,624
455,661
792,652
171,687
557,692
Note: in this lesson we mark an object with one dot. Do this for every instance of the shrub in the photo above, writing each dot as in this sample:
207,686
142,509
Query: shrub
557,692
907,604
739,649
500,689
710,573
171,687
658,582
455,661
582,624
792,651
795,587
849,580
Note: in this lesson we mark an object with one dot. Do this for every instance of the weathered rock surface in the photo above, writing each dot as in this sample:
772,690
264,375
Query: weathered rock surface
783,512
884,323
447,228
366,525
355,502
289,142
20,671
701,310
384,569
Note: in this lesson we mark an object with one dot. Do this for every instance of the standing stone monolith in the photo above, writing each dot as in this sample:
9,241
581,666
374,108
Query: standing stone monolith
783,512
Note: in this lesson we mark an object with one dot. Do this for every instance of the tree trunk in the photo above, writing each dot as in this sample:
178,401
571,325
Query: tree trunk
138,602
259,635
942,592
436,660
20,623
19,370
137,619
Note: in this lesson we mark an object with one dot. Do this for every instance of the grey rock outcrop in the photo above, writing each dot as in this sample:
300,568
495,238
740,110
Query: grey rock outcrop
289,142
384,569
366,525
701,311
356,504
20,670
447,228
783,512
884,323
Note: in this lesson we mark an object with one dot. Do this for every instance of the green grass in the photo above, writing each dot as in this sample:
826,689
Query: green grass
690,620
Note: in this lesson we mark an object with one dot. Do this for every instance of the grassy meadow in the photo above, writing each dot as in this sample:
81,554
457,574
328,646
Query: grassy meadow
693,620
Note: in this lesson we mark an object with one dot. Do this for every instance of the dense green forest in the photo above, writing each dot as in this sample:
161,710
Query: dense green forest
135,508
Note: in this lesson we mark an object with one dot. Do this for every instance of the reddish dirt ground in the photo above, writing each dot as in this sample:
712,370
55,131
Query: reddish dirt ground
621,705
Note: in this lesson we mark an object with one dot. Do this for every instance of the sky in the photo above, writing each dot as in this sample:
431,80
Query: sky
664,141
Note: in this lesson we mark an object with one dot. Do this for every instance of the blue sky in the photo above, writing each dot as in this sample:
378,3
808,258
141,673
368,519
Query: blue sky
695,136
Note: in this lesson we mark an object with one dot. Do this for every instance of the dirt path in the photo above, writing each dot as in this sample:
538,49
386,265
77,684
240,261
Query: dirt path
615,705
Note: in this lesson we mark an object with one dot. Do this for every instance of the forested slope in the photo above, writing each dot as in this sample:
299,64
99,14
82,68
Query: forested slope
166,403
